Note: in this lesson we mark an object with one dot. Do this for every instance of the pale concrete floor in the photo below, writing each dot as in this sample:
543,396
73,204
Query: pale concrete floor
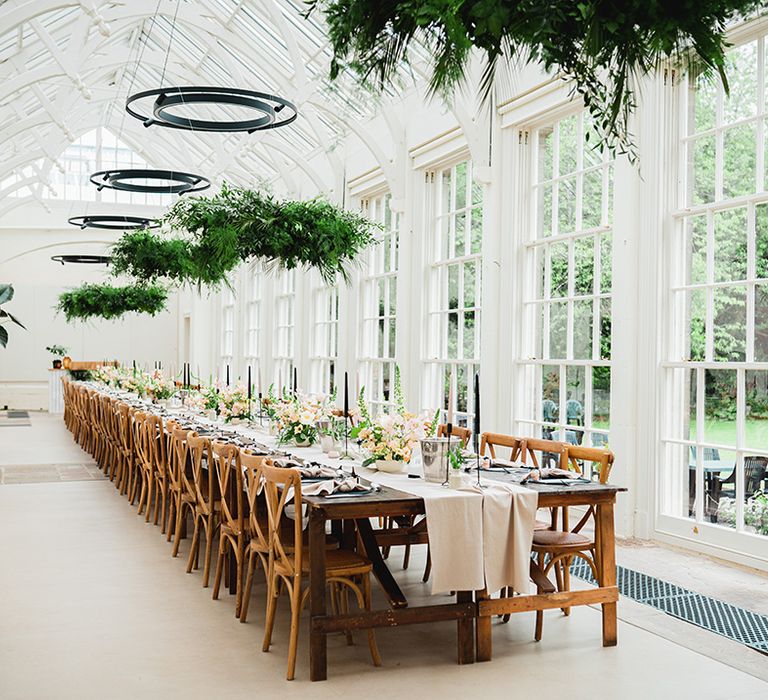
93,606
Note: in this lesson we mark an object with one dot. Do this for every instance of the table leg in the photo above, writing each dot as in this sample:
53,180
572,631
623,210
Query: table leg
381,571
606,539
318,660
465,630
483,634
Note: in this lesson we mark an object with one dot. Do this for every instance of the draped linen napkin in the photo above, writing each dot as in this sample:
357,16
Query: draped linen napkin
509,512
329,486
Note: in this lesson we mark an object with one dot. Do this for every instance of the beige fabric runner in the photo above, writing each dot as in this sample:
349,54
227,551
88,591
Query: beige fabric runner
478,538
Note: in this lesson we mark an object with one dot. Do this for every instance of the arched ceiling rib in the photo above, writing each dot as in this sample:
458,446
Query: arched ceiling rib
67,66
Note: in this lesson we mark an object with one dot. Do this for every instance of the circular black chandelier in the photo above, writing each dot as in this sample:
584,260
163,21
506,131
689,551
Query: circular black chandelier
270,111
82,259
113,223
167,181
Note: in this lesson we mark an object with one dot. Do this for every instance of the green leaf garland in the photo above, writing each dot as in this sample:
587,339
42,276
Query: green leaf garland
105,301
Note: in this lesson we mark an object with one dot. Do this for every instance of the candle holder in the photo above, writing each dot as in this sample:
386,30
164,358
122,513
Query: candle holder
448,431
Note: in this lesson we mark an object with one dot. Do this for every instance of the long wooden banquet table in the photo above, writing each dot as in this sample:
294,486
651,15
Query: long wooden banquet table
350,515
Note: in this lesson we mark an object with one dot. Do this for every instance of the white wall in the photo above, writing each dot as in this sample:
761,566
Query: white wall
37,280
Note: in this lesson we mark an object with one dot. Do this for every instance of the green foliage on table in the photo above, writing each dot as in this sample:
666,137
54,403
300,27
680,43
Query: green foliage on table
603,47
6,294
108,302
237,225
434,424
57,350
80,375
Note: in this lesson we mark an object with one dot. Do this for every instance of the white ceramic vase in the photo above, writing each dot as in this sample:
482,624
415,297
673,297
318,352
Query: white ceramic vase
391,466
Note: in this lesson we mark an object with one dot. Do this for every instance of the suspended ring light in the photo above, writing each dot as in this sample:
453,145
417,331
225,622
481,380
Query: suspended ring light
113,222
82,259
168,181
270,111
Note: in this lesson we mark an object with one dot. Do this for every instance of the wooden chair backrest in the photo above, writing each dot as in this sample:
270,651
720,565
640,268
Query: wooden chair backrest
599,456
229,477
156,442
201,485
253,467
457,431
125,421
141,439
280,485
524,448
178,457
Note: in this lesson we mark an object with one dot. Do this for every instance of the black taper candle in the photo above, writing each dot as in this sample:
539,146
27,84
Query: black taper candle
295,381
249,382
227,375
477,406
346,394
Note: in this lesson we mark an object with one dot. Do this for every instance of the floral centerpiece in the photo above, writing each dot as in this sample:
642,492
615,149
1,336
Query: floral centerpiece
133,381
233,403
159,387
391,437
296,418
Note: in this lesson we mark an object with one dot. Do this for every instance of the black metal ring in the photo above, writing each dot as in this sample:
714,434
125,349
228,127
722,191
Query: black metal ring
276,111
113,222
118,180
82,259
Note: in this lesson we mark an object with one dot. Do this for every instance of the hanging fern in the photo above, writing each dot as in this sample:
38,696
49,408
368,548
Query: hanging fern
239,225
604,47
108,302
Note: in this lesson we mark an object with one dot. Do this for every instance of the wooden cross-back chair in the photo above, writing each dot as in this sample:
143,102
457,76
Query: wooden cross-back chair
556,547
457,431
207,502
288,563
180,495
143,459
125,427
158,485
256,525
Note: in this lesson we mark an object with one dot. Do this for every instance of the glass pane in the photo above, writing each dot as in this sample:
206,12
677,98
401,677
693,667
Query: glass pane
761,241
566,205
469,284
477,192
605,329
460,234
550,394
453,335
584,261
574,406
739,160
392,337
719,409
544,213
756,413
582,329
606,262
741,71
730,324
453,286
558,327
461,185
546,153
731,245
696,307
761,323
601,397
702,180
476,243
392,296
592,199
690,413
569,144
558,280
696,237
705,101
469,335
445,192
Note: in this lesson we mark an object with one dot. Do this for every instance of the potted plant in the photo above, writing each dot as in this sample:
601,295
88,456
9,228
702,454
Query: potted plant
58,351
6,294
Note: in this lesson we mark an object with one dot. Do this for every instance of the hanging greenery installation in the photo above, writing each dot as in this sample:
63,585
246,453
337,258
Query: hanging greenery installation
602,46
217,233
108,302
